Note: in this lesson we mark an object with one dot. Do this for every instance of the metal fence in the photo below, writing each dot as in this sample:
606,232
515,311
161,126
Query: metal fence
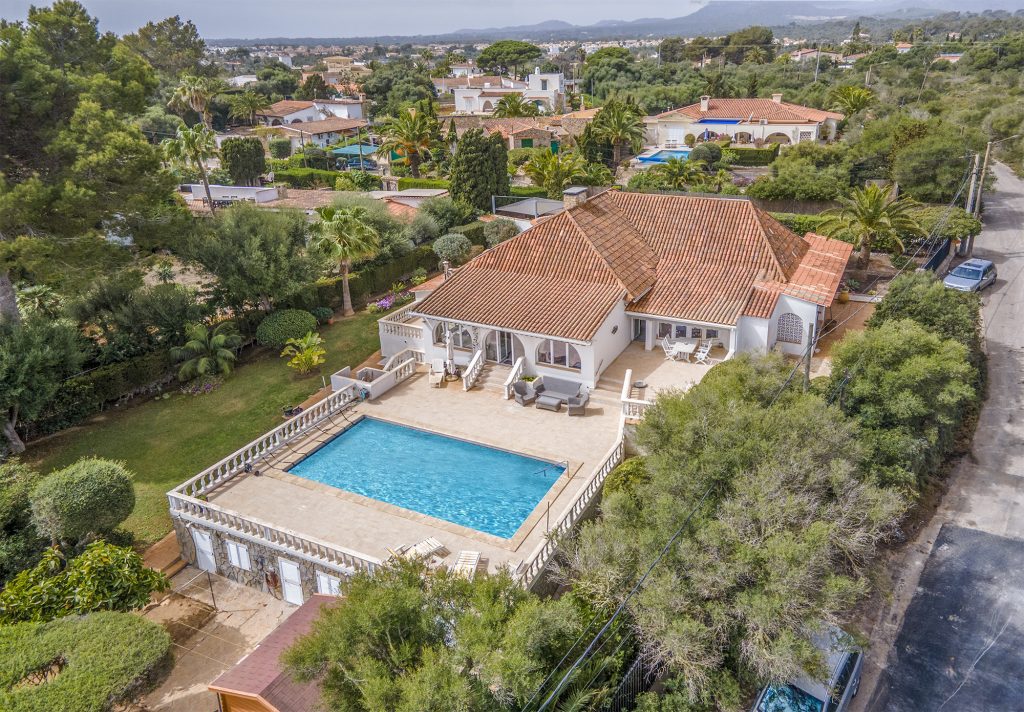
637,680
939,256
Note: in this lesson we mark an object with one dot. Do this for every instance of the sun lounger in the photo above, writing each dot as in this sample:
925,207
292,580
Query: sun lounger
424,550
467,563
436,372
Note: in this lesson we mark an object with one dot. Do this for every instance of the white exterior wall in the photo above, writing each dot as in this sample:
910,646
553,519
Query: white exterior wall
345,110
808,313
608,345
676,130
752,334
301,116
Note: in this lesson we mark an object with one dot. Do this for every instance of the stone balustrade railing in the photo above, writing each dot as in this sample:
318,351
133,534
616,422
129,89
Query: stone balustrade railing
533,566
513,376
332,556
416,355
263,446
473,370
394,324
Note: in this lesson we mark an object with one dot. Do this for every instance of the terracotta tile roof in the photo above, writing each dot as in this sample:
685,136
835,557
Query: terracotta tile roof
690,258
402,211
285,107
331,125
753,110
509,127
261,674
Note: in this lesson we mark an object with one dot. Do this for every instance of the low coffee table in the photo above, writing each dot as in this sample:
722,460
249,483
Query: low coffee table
549,402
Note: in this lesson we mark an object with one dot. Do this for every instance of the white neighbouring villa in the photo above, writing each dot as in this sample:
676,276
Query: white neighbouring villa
545,91
289,111
570,294
745,121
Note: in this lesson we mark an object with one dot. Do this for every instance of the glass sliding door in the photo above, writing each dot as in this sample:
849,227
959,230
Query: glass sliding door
502,347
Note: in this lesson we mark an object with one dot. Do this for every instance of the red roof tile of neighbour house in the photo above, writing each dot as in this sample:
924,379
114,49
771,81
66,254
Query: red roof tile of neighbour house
261,675
331,125
753,111
690,258
286,107
402,211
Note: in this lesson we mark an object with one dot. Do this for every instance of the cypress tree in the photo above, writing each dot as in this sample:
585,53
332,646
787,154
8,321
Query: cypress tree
479,169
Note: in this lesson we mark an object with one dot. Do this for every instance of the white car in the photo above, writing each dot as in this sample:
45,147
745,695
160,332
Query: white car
844,662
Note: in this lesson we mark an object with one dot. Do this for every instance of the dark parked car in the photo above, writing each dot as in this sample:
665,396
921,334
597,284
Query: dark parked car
844,662
368,164
971,276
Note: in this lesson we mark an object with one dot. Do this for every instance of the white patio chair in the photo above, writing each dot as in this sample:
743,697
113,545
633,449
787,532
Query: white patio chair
436,375
424,550
466,564
701,356
669,349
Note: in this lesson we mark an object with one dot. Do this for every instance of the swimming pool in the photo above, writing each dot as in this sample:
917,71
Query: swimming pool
479,487
665,154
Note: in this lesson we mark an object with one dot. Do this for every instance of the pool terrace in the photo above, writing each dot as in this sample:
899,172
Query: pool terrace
343,531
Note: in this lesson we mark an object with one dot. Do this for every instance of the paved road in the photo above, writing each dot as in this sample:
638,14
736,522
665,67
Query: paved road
953,637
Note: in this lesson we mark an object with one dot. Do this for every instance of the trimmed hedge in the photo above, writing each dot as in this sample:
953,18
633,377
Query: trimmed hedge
798,223
368,282
90,496
284,324
405,183
474,231
528,191
306,177
107,657
87,394
754,156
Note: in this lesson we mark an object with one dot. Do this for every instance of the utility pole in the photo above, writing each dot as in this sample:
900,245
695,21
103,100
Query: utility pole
974,184
817,63
810,355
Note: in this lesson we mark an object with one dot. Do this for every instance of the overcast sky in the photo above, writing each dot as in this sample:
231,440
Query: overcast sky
349,18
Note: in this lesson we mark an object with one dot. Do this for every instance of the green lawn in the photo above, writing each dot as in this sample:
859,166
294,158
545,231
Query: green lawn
167,441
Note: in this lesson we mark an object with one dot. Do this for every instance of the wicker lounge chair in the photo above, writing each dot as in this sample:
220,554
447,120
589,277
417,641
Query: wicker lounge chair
577,405
524,392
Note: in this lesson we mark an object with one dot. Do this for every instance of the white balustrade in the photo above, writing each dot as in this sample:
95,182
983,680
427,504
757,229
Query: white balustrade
210,515
515,375
394,324
534,565
634,408
473,370
416,354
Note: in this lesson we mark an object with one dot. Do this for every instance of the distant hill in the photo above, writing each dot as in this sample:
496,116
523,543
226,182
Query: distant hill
717,17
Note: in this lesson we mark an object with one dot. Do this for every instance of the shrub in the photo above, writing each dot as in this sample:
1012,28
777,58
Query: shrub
709,153
322,314
306,353
518,157
528,191
20,543
92,496
689,140
474,232
357,181
404,183
103,659
280,147
104,578
307,177
452,247
284,324
753,156
627,476
800,224
497,231
447,212
423,228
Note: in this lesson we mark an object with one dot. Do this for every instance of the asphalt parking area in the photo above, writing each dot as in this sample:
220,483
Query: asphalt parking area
961,647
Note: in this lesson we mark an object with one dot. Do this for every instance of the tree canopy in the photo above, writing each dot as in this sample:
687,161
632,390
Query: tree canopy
507,56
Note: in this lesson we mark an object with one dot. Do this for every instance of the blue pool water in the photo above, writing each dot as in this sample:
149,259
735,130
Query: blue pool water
480,487
664,155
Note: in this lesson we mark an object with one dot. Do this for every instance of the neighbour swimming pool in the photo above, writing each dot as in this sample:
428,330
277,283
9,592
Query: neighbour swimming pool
665,154
479,487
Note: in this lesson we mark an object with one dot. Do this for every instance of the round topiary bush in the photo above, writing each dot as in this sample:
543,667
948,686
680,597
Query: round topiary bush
284,324
497,231
322,314
80,663
91,496
280,147
452,247
709,153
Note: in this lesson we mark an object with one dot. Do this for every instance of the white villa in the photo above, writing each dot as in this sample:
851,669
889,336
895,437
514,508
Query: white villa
570,294
545,91
287,112
745,121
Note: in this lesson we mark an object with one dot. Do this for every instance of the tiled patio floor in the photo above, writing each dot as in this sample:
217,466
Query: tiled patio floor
656,371
371,527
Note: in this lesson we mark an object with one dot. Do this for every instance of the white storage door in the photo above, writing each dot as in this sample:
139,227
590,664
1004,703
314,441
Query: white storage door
204,550
291,582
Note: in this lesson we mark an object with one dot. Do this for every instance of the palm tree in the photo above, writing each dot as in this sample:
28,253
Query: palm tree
409,135
622,126
851,99
246,105
555,171
345,235
514,105
196,93
207,351
681,174
755,55
193,146
871,214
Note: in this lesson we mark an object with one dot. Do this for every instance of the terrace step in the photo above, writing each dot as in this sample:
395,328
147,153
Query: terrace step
493,377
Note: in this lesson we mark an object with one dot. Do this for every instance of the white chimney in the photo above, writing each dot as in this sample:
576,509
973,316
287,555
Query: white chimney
777,98
705,102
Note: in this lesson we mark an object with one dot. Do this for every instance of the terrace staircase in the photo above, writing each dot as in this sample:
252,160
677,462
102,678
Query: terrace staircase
493,377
